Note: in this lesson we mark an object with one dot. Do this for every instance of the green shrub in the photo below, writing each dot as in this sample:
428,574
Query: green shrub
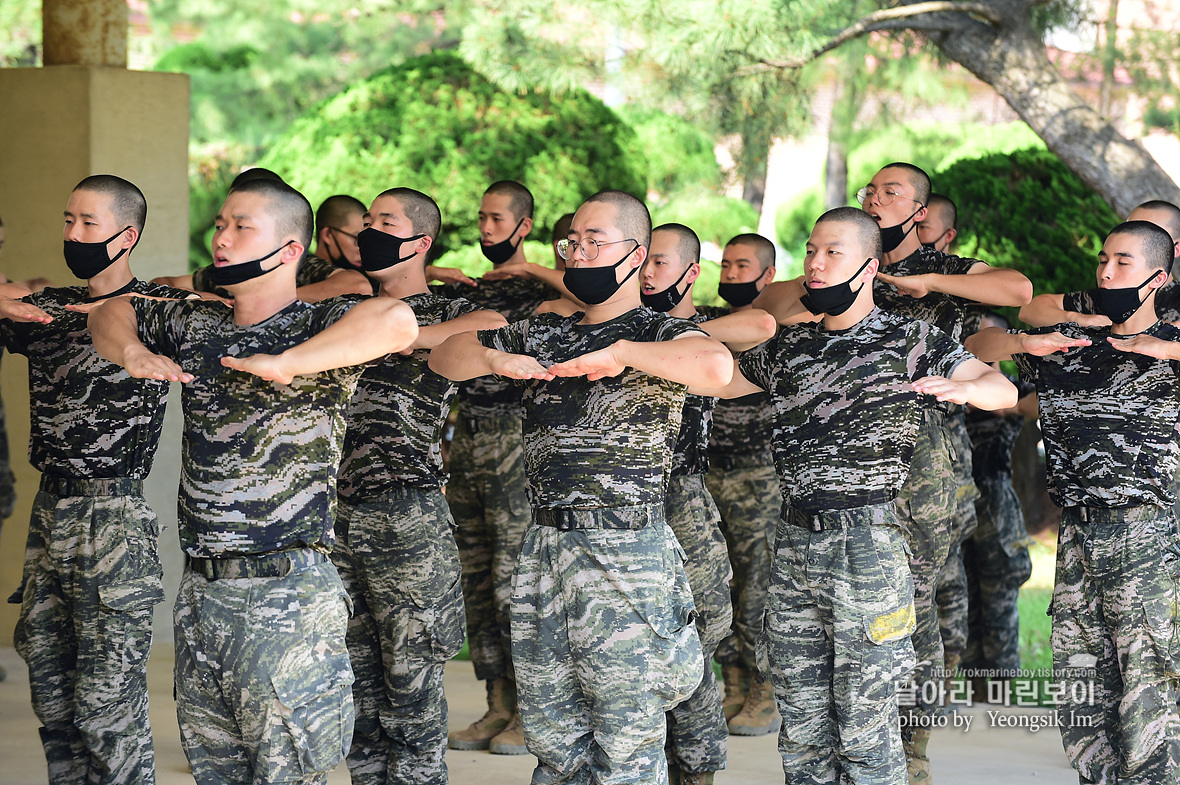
679,154
715,218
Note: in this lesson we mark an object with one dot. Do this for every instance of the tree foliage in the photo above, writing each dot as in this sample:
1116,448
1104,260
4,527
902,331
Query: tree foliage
434,124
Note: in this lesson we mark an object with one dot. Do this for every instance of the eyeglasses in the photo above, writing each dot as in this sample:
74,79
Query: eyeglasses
346,234
884,197
588,245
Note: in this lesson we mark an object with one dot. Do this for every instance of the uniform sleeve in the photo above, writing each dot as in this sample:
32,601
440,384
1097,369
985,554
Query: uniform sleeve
1079,302
957,265
757,364
453,309
313,269
161,324
937,354
665,328
1028,364
510,338
16,335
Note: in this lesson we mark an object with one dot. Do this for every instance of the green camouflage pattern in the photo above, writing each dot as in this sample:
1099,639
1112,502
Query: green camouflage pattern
263,683
748,502
946,312
395,418
691,453
606,443
951,594
490,506
1167,302
846,413
742,427
1116,631
839,613
258,468
603,643
697,732
397,559
7,478
88,418
91,578
514,299
1108,419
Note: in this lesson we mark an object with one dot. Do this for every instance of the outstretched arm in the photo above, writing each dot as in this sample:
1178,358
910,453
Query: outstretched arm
995,343
781,299
115,330
432,335
555,278
462,357
1047,309
20,311
738,386
982,284
338,283
692,360
971,382
742,330
372,328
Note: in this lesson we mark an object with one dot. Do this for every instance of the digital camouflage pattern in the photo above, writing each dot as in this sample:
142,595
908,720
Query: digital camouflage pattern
514,299
396,416
742,429
946,312
491,509
604,644
91,578
749,504
1167,302
262,674
1109,420
258,469
697,732
846,414
1115,630
839,614
7,478
606,443
691,454
951,595
88,418
398,561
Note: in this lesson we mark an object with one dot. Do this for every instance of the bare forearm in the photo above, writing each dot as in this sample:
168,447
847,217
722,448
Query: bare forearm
432,335
371,329
335,285
695,361
991,391
742,330
996,286
994,344
115,331
461,357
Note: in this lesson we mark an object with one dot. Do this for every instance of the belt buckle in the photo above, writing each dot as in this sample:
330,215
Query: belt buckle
565,520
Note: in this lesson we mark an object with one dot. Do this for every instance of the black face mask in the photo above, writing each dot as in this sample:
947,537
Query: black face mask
835,299
892,236
502,251
239,273
667,299
379,251
739,294
87,260
341,261
595,285
1119,305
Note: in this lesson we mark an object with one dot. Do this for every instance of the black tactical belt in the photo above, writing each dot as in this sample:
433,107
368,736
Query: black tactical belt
569,518
497,422
730,462
267,565
826,520
63,487
1116,515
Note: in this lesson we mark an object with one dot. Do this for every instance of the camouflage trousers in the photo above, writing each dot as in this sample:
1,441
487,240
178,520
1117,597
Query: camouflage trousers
836,642
697,732
7,478
604,643
748,499
263,683
926,508
1115,627
950,593
488,499
998,564
397,559
91,578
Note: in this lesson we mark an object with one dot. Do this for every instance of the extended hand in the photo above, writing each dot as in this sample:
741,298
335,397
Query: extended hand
1146,345
506,271
595,365
449,275
20,311
1041,345
911,285
518,366
145,365
943,389
264,366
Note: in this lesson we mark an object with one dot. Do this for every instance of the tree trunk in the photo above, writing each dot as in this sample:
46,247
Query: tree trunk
839,129
1011,58
755,165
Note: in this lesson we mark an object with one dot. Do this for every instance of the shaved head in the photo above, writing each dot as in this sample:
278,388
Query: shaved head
868,233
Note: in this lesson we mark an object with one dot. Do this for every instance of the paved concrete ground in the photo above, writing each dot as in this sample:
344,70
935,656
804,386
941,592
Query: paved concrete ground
983,755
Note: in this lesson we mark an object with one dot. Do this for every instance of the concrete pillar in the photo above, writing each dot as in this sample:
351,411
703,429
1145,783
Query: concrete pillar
84,32
59,125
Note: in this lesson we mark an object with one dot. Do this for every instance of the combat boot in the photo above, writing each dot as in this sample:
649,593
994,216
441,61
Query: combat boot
917,765
501,709
759,716
509,741
700,778
737,689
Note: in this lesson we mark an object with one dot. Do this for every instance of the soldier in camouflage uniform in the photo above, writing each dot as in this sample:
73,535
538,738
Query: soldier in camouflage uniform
602,636
487,488
848,396
697,728
395,549
262,671
743,483
92,572
1108,399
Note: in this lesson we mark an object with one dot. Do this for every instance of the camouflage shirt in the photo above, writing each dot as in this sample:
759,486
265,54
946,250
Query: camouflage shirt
312,269
1109,419
691,454
946,312
846,415
514,299
88,418
993,437
606,443
1167,302
259,461
741,426
396,416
